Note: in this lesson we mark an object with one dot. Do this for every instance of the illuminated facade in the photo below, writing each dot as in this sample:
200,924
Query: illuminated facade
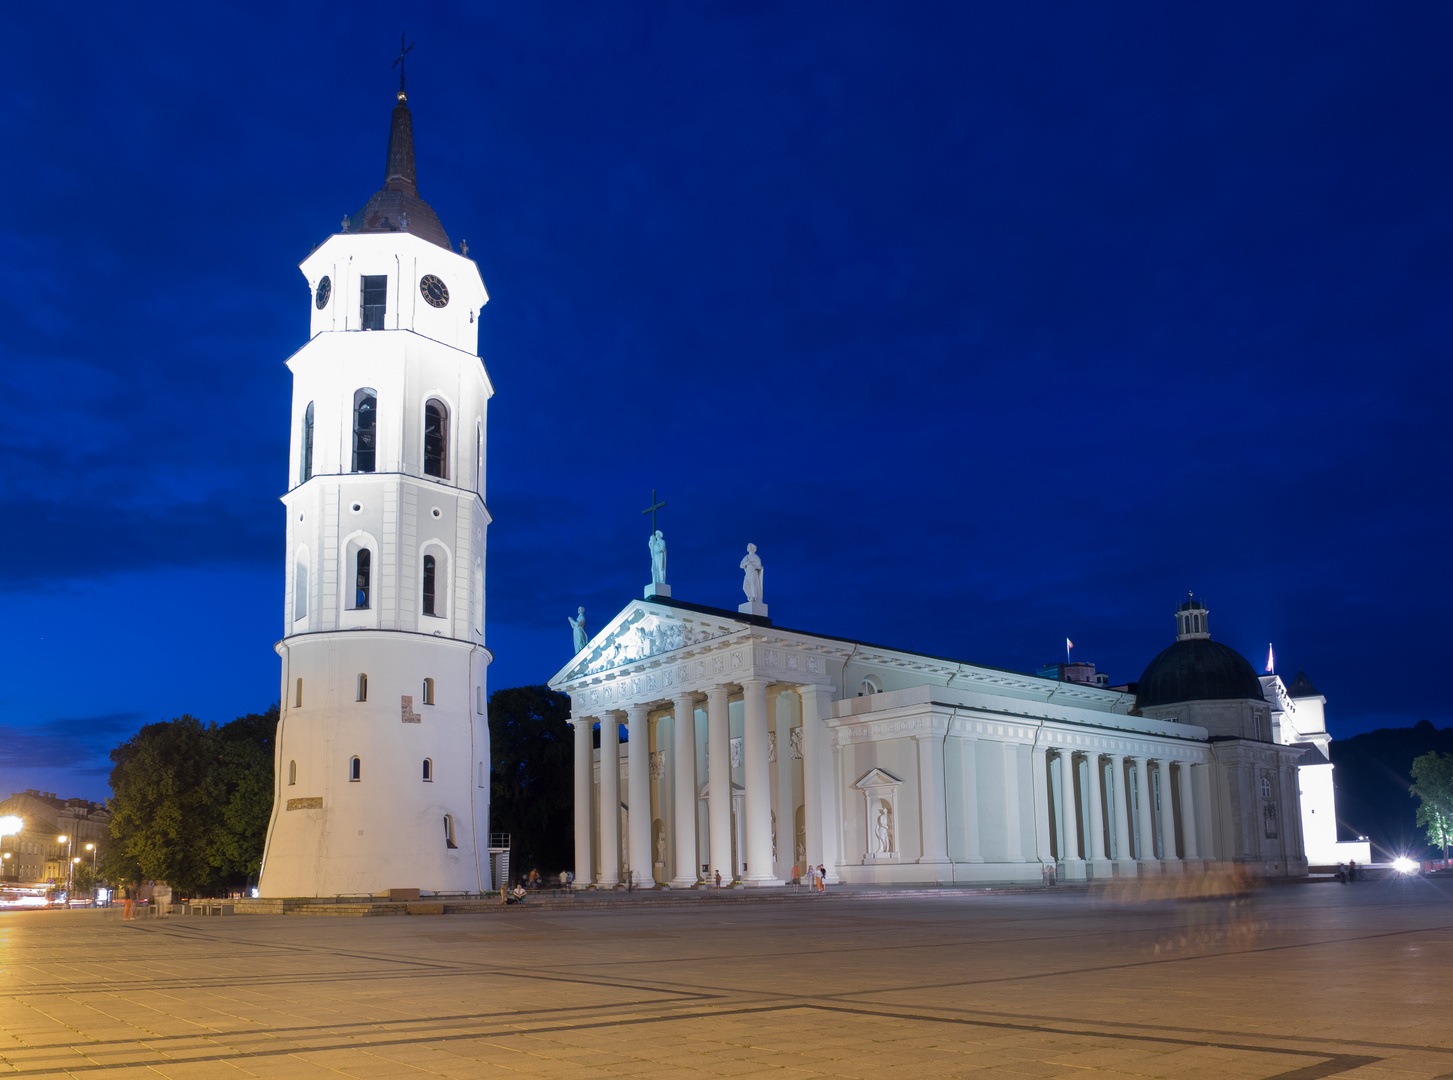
382,774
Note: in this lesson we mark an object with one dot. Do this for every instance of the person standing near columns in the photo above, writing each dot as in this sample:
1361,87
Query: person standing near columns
584,792
638,796
610,800
1146,855
760,870
719,781
1188,811
1168,819
683,774
1120,815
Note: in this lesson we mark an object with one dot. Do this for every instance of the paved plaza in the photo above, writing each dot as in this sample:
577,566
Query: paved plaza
1298,981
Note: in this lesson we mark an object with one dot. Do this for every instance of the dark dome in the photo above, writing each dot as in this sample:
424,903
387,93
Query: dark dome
396,207
1198,669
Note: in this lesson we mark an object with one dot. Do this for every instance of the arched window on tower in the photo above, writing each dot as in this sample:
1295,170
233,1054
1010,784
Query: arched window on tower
429,574
307,473
362,578
449,831
292,772
365,429
355,770
298,700
300,587
428,770
362,687
436,439
428,691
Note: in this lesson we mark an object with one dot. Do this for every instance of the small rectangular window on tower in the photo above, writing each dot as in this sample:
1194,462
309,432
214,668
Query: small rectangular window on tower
374,300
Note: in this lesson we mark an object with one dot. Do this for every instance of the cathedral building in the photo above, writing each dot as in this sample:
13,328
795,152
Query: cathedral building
382,777
753,750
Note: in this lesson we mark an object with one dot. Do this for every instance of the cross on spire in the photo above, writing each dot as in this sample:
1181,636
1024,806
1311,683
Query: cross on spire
652,510
399,63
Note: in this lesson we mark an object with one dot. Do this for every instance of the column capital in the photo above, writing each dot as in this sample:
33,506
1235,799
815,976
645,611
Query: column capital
755,681
637,711
719,691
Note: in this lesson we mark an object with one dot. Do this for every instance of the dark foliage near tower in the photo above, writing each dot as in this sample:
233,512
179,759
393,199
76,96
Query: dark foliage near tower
532,792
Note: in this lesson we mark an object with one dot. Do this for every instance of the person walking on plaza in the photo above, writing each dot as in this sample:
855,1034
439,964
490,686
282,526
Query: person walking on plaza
821,878
128,899
718,879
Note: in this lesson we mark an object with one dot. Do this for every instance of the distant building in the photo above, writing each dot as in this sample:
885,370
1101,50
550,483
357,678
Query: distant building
1081,672
36,853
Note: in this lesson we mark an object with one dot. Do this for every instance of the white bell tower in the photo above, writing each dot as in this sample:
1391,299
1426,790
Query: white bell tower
382,746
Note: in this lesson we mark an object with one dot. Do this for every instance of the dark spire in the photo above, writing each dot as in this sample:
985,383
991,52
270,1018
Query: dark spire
396,207
398,173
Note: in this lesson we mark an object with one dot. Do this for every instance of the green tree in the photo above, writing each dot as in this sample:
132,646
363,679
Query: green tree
164,795
245,787
1433,786
190,802
532,787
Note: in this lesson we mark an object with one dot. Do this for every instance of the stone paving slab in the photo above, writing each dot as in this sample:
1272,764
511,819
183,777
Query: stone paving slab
1302,982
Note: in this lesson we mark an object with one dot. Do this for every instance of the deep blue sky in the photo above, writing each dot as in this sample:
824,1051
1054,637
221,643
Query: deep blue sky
988,327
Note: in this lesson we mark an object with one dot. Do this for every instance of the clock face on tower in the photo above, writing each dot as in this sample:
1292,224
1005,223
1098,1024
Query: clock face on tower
433,290
325,290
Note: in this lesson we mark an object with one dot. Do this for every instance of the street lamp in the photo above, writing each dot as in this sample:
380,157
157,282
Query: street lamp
63,839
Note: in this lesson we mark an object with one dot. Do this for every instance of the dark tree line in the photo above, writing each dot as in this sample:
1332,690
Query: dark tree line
532,786
190,802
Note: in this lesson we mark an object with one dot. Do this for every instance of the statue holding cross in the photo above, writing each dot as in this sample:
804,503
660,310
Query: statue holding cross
657,543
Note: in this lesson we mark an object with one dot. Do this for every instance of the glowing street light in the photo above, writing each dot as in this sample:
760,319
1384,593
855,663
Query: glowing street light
10,825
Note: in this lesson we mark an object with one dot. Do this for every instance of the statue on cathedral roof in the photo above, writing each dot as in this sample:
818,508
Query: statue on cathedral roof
578,626
752,581
657,544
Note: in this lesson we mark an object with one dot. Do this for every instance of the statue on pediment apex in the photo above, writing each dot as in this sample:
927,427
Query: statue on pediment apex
657,544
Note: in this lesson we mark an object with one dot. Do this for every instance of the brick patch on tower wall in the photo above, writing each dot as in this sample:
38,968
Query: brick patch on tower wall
407,708
314,802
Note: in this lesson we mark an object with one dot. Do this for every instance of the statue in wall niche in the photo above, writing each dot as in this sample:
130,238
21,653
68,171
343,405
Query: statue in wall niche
577,626
657,544
752,581
882,831
660,842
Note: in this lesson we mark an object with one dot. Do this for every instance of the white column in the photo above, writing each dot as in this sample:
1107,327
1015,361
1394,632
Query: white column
1039,780
1188,811
1074,865
1096,824
1146,856
683,775
584,790
970,750
1120,815
760,870
931,821
817,798
638,795
1013,825
610,800
719,783
1168,819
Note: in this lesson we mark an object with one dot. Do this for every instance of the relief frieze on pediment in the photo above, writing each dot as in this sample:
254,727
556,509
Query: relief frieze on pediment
642,636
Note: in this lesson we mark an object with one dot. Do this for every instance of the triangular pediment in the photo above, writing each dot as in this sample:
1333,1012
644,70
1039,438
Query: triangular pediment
643,630
877,778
